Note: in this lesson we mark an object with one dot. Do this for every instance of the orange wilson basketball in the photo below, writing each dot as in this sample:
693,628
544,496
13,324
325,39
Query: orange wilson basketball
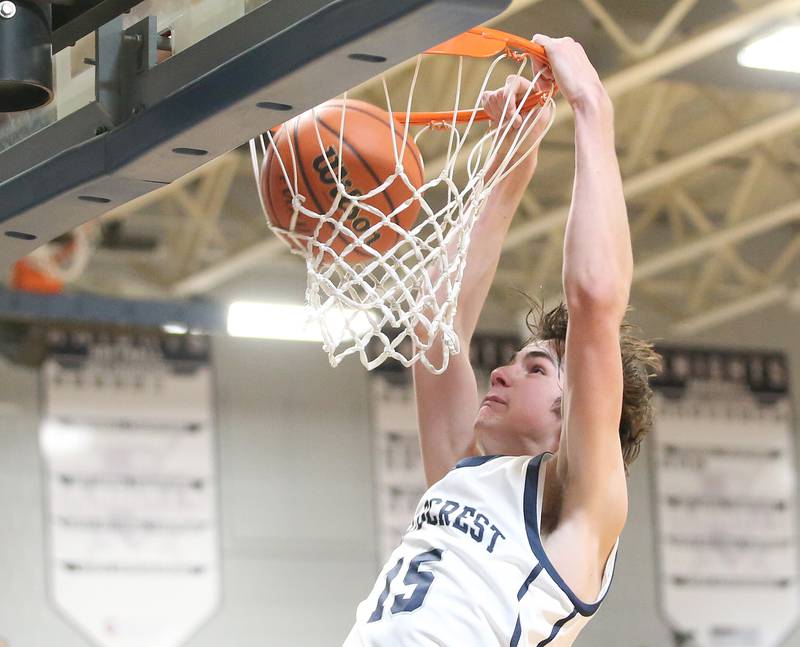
368,158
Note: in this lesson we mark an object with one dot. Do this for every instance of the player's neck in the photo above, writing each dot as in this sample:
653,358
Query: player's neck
514,447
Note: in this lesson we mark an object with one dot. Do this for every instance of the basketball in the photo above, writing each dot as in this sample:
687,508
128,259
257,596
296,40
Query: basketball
367,159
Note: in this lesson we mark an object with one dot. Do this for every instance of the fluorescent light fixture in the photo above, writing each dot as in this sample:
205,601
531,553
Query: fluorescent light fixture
779,51
174,328
290,322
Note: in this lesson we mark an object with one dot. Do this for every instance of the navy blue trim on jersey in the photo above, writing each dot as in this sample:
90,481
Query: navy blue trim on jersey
522,591
528,580
557,627
475,461
517,633
530,498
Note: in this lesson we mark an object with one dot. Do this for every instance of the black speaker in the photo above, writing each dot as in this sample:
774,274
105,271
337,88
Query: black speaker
26,64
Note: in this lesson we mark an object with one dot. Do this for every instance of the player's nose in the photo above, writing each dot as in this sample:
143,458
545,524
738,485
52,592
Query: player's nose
499,376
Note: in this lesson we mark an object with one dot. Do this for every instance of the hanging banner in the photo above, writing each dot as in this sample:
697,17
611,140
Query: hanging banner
399,475
725,487
127,438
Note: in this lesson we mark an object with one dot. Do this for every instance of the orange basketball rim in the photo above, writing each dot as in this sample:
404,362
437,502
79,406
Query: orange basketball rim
482,42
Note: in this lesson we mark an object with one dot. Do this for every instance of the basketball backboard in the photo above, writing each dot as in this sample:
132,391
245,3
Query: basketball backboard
147,92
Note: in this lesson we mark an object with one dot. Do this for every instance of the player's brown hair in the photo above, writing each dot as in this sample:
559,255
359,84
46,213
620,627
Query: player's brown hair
639,362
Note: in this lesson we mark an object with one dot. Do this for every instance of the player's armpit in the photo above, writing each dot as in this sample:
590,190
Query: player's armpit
590,463
446,409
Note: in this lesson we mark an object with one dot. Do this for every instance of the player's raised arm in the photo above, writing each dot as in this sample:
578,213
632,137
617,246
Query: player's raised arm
597,273
448,403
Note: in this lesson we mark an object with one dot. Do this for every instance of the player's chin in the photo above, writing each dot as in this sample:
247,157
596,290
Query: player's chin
483,422
485,414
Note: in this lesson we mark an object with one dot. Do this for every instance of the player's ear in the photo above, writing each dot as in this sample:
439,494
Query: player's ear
558,407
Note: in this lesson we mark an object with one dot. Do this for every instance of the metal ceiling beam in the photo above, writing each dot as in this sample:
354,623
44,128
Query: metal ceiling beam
733,310
662,174
692,250
210,277
736,210
655,39
204,207
783,261
693,49
652,123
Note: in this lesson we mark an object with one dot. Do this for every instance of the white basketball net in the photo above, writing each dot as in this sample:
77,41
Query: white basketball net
401,304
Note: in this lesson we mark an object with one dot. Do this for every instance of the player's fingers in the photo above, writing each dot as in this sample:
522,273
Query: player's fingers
483,103
501,105
496,101
522,88
538,64
515,84
508,108
519,88
507,98
545,72
540,85
544,84
491,106
549,45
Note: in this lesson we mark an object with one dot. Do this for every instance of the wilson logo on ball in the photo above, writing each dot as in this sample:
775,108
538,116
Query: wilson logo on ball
365,161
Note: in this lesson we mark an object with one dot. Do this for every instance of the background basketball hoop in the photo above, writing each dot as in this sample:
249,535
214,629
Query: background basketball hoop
50,267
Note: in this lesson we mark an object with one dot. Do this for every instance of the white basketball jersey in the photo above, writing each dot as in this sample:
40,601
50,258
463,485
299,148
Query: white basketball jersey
471,570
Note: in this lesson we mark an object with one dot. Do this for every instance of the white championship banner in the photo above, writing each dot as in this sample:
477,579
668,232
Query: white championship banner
726,498
128,442
400,479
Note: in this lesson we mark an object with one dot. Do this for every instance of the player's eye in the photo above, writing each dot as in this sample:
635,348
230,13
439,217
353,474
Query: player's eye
536,368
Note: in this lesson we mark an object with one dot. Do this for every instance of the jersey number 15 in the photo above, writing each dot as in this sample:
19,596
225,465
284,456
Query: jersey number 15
420,580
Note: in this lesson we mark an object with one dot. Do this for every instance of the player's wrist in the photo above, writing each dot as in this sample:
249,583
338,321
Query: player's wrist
593,103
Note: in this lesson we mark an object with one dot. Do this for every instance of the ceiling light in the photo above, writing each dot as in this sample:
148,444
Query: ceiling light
779,51
174,328
291,322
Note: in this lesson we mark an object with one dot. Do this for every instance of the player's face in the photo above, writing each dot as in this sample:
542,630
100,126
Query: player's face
520,414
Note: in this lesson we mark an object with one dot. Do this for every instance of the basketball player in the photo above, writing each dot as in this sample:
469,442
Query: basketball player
514,542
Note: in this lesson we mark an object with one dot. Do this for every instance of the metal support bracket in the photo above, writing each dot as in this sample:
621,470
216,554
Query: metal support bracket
142,39
107,69
119,56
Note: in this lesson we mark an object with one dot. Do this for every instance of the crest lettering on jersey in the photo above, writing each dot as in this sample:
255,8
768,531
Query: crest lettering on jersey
464,518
